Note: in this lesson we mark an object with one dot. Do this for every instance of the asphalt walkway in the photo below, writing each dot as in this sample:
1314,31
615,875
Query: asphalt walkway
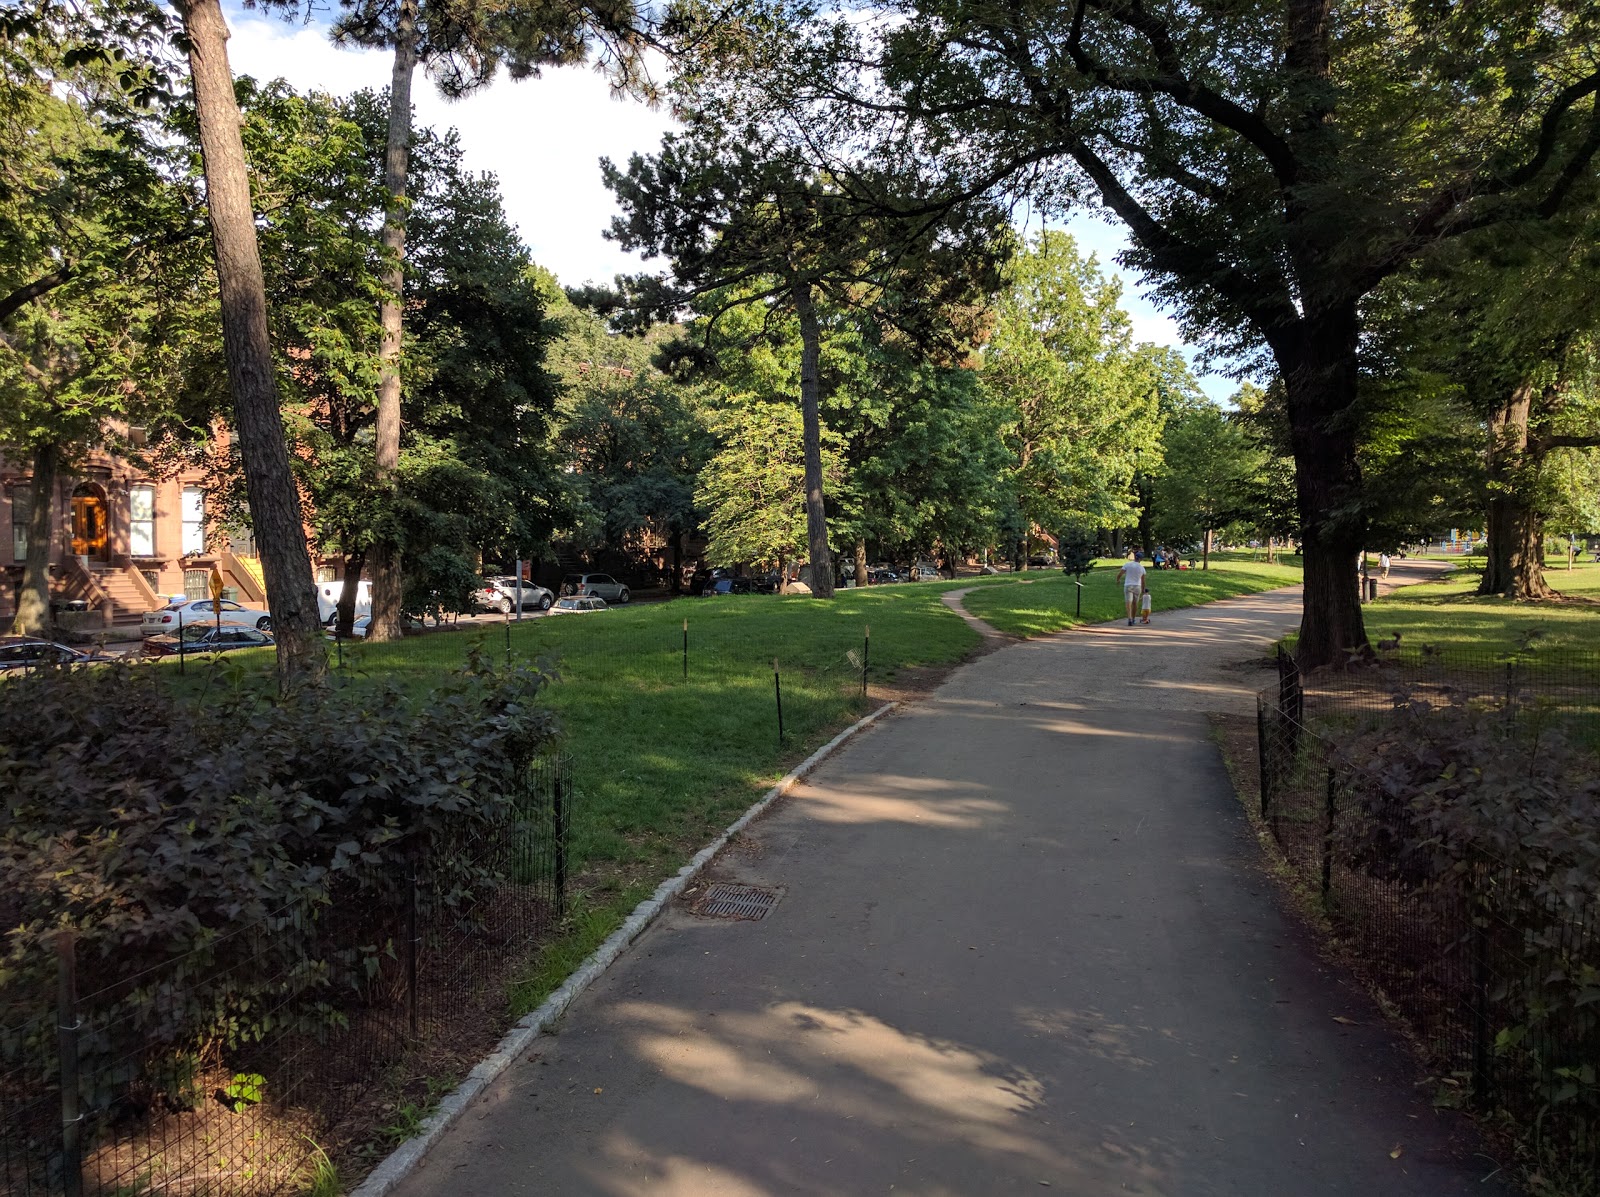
1023,942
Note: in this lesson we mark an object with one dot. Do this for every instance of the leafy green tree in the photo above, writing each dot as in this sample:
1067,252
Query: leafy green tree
753,489
92,225
739,216
1079,417
463,43
631,437
1273,162
1207,462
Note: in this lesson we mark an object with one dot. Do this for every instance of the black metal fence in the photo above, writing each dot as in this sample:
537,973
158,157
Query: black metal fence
1489,950
252,1064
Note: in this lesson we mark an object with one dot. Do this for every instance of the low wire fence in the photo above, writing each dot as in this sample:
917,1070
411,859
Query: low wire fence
802,673
254,1063
1438,805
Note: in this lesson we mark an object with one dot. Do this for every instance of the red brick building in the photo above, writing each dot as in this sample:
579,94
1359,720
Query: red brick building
125,539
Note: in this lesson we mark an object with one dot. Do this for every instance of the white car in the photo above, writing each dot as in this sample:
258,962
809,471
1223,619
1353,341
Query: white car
575,603
192,611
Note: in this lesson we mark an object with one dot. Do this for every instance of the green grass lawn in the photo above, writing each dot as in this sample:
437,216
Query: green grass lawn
1047,601
1450,617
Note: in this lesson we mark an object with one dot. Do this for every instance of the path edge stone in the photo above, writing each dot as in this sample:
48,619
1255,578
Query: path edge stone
404,1159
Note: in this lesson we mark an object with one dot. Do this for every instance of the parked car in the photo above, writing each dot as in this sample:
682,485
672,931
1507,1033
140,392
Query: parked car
206,638
25,652
599,585
878,575
410,625
729,586
500,594
575,603
183,612
328,599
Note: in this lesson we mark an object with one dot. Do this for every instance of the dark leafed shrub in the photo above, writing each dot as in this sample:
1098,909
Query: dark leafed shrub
1491,815
221,841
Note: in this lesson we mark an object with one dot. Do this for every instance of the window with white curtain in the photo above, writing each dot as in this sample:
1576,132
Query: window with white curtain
194,520
21,512
142,520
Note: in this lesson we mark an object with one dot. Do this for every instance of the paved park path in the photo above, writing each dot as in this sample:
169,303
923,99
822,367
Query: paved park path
1024,944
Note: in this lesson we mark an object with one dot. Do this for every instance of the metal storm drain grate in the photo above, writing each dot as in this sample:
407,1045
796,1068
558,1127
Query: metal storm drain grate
726,901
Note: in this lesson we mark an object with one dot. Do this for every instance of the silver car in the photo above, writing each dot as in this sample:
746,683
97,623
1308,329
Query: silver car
599,585
500,594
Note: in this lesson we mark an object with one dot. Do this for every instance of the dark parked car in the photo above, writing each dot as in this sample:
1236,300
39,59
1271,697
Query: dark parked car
729,586
204,638
24,652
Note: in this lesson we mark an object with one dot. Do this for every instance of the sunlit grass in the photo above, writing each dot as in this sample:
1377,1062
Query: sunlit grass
1450,617
1050,602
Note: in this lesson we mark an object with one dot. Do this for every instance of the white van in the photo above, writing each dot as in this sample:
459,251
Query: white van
328,599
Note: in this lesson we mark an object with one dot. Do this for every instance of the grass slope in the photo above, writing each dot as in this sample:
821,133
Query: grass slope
1045,603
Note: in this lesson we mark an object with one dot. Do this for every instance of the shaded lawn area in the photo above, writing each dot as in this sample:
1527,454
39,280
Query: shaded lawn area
1046,602
1448,616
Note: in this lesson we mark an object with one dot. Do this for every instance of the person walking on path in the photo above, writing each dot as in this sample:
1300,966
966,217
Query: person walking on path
1383,565
1131,575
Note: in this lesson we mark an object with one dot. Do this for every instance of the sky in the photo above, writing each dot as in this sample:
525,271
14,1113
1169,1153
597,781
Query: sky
544,139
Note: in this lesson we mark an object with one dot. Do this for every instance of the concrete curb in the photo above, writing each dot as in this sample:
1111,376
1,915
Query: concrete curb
403,1159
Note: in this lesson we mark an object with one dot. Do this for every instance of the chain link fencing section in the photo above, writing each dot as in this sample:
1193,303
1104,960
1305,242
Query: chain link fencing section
251,1065
1490,951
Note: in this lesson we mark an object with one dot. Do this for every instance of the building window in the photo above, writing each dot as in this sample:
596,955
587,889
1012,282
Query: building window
142,520
152,579
21,512
194,522
196,583
326,573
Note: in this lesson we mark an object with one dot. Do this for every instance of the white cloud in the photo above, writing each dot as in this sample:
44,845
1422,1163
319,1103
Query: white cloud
543,137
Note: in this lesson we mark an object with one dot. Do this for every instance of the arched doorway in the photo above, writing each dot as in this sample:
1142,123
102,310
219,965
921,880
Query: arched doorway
90,523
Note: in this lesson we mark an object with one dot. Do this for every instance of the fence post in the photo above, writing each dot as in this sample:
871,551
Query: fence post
181,653
1327,840
508,637
67,1027
777,690
866,657
686,650
412,1012
559,812
1261,753
1480,991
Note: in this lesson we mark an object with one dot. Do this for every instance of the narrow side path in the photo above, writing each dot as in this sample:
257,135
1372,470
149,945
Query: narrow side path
1022,941
952,599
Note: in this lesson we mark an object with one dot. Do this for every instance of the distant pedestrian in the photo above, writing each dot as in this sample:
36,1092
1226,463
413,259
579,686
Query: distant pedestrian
1383,565
1131,575
1144,605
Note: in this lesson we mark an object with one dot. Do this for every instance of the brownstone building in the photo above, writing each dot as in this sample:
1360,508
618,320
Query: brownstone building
125,540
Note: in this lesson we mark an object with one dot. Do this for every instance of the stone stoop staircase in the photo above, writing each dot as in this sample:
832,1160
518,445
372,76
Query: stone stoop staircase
128,599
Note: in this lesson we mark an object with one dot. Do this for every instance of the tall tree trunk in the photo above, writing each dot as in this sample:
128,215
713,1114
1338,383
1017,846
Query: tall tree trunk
811,419
1318,363
1205,551
861,562
346,612
33,600
677,561
783,573
1147,538
1271,548
274,499
384,556
1515,565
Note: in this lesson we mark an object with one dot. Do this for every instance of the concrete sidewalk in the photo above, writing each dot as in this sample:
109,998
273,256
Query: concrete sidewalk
1023,942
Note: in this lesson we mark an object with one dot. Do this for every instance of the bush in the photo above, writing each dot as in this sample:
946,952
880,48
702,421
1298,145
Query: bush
1492,815
217,839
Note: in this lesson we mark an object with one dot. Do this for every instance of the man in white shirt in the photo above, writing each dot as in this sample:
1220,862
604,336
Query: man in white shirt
1383,564
1131,575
